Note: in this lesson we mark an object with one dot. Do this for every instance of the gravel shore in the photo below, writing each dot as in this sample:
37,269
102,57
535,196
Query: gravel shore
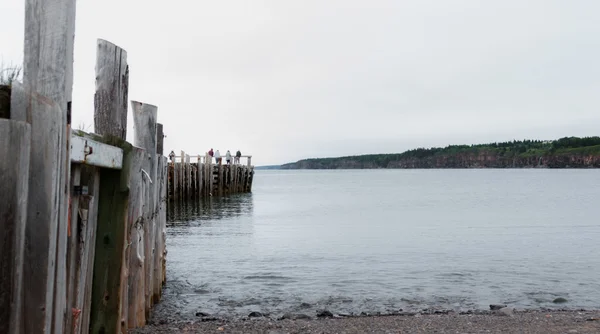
539,321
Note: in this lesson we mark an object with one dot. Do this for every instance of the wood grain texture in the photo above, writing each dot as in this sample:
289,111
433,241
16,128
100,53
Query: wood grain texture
90,176
18,102
43,213
110,246
144,119
112,86
160,242
135,234
73,248
15,139
47,71
160,138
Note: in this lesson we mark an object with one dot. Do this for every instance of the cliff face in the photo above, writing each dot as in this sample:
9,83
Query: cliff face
481,159
485,160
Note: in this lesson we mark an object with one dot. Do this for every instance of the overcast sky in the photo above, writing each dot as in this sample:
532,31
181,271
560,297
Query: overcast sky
286,80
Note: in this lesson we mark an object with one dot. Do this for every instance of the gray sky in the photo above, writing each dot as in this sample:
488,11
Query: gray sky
286,80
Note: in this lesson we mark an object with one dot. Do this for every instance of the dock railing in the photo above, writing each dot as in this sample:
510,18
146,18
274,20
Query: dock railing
203,158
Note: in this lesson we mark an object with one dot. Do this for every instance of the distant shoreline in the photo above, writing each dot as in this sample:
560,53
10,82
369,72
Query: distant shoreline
568,152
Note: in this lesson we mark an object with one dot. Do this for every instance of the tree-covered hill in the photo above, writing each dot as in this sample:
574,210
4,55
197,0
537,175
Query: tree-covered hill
568,152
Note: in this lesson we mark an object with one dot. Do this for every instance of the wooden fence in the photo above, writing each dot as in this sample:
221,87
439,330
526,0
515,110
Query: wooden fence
195,180
82,216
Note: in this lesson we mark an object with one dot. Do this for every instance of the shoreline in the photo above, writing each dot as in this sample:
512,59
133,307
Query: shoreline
506,320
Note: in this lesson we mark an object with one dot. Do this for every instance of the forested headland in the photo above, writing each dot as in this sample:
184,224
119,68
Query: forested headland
568,152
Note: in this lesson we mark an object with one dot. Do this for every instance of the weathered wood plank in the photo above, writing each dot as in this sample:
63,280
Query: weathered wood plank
174,181
209,175
160,242
112,85
43,213
47,71
220,184
64,323
188,175
199,178
91,152
73,247
110,120
133,262
160,137
163,227
18,102
15,148
144,118
110,246
143,241
182,176
90,177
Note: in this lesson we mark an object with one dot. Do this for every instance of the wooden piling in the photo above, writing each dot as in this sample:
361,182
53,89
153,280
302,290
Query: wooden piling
181,173
188,181
160,137
73,244
175,180
136,316
48,50
110,121
199,178
43,213
144,117
15,146
112,85
161,230
110,245
90,177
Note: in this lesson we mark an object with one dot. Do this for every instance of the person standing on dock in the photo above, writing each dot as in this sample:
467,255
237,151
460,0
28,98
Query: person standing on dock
238,155
211,153
228,157
172,155
218,157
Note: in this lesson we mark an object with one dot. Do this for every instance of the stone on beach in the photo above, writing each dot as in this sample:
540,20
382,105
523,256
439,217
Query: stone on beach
496,307
506,311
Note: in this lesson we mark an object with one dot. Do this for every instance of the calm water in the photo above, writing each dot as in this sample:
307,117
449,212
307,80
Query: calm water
383,240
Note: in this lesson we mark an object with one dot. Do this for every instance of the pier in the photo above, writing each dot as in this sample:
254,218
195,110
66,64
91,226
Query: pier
195,179
83,215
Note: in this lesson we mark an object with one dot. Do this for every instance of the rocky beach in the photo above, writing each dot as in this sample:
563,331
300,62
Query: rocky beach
503,320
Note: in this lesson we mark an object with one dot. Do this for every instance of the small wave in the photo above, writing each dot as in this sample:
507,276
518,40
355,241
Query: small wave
268,277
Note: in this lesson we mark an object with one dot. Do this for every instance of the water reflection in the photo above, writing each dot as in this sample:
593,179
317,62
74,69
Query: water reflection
210,208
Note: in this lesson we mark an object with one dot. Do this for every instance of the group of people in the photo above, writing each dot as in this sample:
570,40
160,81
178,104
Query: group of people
218,159
217,156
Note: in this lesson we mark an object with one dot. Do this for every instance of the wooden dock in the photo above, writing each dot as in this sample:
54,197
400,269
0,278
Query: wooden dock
82,215
202,178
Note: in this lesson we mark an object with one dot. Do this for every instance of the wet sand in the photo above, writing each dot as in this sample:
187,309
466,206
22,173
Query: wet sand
539,321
